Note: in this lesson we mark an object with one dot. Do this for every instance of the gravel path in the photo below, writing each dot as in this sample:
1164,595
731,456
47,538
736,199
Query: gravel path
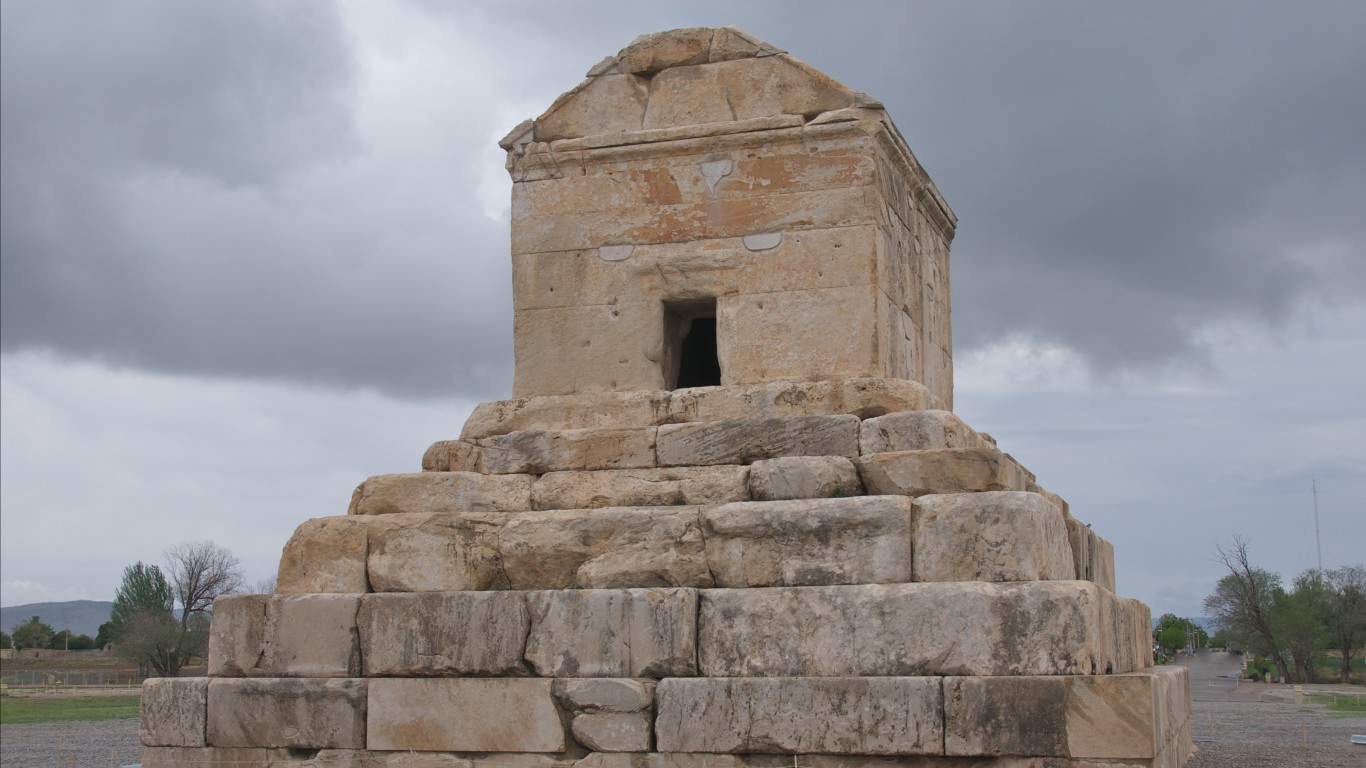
97,744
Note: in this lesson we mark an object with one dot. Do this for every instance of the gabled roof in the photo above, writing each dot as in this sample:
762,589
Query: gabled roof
689,77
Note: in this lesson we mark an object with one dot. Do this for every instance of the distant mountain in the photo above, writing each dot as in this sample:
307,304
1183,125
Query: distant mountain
82,617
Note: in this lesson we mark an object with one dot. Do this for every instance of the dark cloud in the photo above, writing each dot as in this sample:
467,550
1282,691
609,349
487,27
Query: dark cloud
181,193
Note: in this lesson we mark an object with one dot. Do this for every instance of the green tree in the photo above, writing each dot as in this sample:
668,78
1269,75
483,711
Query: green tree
5,641
103,637
32,634
1345,612
1173,632
1297,620
161,620
1244,602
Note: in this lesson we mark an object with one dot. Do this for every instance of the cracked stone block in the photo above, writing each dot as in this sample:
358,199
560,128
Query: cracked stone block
173,712
297,713
613,632
434,492
464,715
444,634
990,536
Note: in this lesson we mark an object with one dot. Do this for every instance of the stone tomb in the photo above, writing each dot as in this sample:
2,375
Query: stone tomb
729,519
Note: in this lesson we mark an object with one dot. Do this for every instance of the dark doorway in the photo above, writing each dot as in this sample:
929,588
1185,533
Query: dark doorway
690,344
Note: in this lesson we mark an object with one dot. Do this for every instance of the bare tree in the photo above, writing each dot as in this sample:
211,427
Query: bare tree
170,631
1244,601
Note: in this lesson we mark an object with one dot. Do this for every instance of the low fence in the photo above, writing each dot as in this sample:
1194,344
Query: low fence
71,678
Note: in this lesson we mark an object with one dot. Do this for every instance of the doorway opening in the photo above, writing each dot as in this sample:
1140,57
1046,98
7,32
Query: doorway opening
690,344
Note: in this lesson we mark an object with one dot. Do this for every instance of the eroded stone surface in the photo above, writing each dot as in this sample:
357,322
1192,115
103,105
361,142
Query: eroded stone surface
953,470
613,633
540,451
604,694
613,731
438,552
326,554
604,548
464,715
294,713
916,431
862,540
173,711
959,628
443,634
742,441
990,536
803,477
641,487
237,635
846,715
437,492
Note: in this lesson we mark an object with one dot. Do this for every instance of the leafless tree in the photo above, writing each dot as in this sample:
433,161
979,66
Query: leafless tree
1244,601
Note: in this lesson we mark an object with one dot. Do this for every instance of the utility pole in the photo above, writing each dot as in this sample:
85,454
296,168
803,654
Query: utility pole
1314,486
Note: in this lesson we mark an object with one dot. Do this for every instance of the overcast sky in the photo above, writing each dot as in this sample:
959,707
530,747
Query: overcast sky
254,252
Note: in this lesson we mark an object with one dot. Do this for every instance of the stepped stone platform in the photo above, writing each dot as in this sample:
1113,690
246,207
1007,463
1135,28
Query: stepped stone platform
729,518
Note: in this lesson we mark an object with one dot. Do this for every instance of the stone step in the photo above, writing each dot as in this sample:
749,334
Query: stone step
865,397
988,536
1044,628
1139,719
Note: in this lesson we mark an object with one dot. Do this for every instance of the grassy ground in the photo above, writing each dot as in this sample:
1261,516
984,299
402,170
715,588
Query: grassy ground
15,710
1341,705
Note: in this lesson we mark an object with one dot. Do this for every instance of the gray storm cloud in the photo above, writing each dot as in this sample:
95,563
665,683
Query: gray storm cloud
186,187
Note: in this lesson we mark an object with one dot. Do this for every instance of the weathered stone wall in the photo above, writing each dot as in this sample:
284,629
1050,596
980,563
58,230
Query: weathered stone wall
787,199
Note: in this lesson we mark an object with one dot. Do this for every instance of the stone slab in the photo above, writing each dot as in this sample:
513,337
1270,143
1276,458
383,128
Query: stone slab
916,431
613,633
437,552
605,548
1124,716
958,628
640,487
859,540
541,451
173,712
952,470
453,456
294,713
862,397
742,441
443,634
604,694
435,492
463,715
310,636
613,731
326,554
990,536
843,715
237,635
803,477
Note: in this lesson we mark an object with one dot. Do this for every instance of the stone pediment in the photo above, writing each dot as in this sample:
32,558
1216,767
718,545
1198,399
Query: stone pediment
689,77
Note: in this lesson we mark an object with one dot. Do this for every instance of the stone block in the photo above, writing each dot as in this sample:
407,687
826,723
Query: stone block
579,349
859,540
916,431
1093,557
1129,716
604,694
310,636
453,456
237,635
437,553
216,757
586,410
437,492
677,48
953,470
326,554
444,634
613,732
605,548
741,90
990,536
613,632
294,713
817,333
173,711
538,452
841,715
641,487
463,715
957,628
861,397
803,477
741,441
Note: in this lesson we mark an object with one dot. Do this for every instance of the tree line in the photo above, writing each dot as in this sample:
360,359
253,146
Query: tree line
160,618
1291,629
